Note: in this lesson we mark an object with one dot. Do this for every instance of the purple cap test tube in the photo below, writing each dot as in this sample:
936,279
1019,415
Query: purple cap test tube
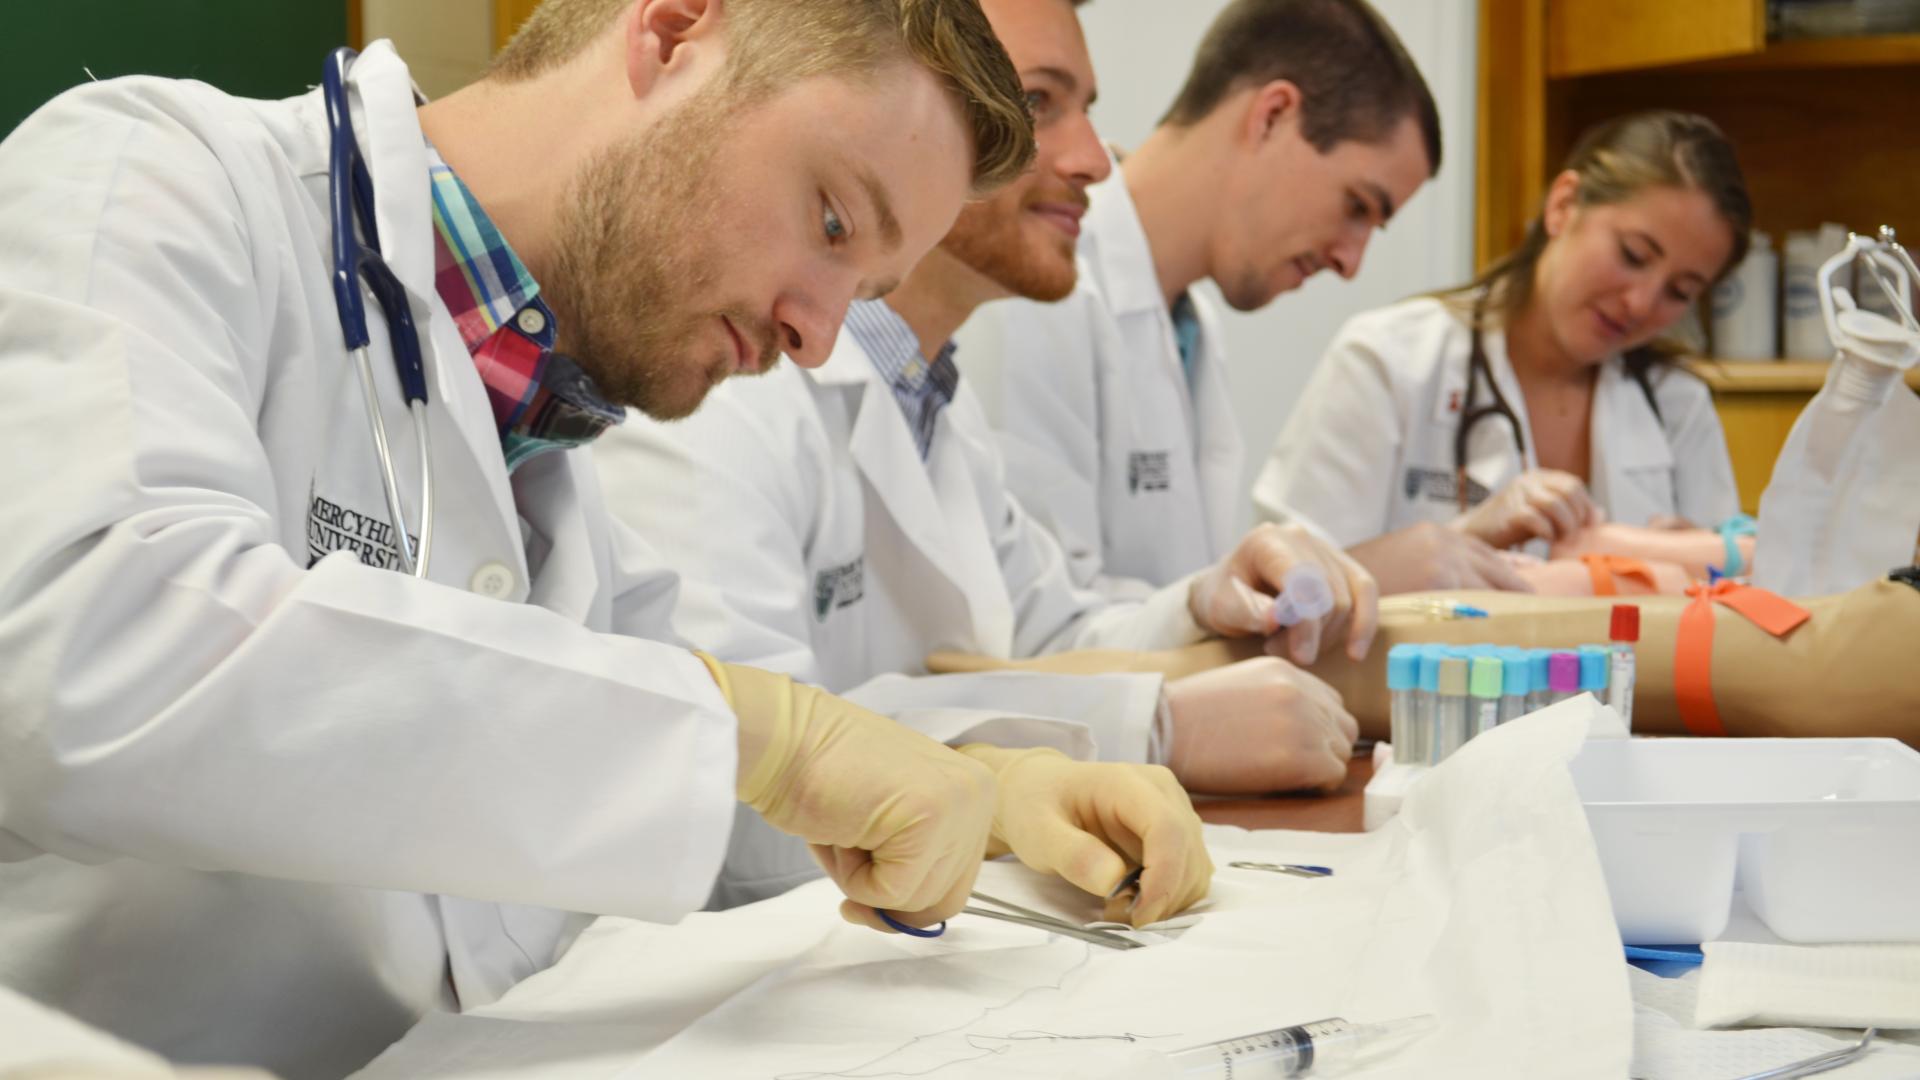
1563,675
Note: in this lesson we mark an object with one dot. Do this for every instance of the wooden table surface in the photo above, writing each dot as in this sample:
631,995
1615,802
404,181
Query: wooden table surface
1342,811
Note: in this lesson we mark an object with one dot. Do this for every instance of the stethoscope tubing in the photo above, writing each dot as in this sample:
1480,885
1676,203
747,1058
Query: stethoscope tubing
356,265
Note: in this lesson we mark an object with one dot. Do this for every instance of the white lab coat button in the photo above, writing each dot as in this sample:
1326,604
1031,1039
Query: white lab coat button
531,321
493,580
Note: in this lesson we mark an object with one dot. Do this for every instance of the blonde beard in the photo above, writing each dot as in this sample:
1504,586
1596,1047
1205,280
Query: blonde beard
627,287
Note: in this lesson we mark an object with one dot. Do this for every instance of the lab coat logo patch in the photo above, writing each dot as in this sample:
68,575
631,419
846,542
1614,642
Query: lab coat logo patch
838,587
1441,485
1149,470
332,527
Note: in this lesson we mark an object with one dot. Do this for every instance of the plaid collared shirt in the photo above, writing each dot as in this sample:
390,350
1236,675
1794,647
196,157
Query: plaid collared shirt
541,399
921,389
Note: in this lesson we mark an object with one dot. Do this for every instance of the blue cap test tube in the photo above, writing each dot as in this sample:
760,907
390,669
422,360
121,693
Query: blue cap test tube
1403,681
1596,662
1517,675
1426,706
1539,685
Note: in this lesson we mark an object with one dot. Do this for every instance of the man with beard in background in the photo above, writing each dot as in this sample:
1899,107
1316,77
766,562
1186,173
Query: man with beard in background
841,523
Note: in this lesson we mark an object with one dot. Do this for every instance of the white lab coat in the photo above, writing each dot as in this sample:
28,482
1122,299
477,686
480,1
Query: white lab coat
232,783
1138,474
1369,447
813,540
1843,506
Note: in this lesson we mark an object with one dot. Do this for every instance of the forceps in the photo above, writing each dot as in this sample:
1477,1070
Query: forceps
1014,913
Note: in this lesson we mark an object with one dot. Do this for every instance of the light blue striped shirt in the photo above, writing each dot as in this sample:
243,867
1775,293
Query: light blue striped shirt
921,389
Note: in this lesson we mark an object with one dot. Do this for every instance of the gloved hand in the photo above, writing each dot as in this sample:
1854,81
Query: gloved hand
1234,598
1427,556
1544,503
899,821
1259,726
1091,822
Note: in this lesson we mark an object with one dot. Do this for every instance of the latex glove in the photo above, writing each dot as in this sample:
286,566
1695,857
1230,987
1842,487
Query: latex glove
1544,503
899,821
1092,822
1259,726
1427,557
1234,598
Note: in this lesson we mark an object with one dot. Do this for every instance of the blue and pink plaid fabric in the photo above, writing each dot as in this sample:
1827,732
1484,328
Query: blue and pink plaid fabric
541,399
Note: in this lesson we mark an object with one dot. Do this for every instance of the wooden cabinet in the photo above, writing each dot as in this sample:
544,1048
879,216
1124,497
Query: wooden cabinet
1587,37
1824,129
507,17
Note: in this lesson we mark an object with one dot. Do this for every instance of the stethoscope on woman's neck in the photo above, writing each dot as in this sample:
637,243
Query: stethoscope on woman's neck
1471,413
357,260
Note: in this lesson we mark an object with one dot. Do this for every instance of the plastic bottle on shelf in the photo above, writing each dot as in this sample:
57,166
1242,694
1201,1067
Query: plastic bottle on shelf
1746,323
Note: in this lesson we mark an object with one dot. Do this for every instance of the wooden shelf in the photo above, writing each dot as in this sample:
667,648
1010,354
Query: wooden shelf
1881,50
1768,376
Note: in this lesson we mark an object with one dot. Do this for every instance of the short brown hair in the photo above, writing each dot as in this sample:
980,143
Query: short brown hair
772,44
1356,79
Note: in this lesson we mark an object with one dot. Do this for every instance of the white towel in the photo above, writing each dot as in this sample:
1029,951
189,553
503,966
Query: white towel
1849,986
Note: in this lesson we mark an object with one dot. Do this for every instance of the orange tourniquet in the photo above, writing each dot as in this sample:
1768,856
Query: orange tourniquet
1693,644
1606,569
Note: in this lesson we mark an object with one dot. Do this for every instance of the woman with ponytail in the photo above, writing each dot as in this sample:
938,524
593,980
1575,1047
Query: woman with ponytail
1538,399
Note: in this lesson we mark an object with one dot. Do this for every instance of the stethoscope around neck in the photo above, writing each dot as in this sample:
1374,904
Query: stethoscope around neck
1471,412
357,261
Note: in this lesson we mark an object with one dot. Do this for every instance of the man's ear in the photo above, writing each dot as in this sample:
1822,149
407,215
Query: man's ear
1563,198
653,34
1271,107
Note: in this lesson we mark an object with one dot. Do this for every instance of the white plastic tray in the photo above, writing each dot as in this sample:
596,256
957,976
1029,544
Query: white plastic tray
1823,835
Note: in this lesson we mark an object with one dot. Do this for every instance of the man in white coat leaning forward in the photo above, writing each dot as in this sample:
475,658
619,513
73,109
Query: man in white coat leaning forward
265,800
842,523
1302,127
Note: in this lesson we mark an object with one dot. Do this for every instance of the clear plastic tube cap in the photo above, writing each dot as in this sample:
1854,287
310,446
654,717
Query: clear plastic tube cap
1453,676
1403,667
1304,596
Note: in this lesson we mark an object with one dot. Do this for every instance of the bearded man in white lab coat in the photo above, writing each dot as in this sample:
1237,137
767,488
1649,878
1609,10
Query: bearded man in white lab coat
1302,127
264,800
846,521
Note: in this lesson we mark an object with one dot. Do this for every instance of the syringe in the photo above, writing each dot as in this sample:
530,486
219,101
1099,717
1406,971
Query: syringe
1323,1048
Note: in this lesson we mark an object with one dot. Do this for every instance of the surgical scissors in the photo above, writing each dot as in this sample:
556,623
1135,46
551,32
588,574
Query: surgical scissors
1014,913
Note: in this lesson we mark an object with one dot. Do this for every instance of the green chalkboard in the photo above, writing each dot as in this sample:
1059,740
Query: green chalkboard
254,48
